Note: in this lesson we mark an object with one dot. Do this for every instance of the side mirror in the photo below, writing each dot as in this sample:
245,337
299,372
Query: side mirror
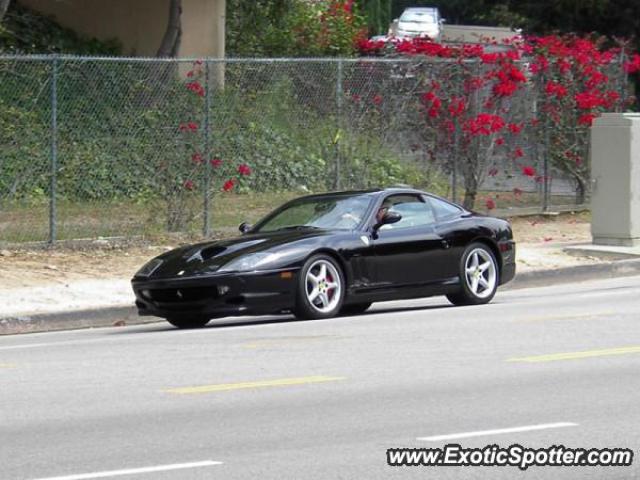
391,217
244,227
388,219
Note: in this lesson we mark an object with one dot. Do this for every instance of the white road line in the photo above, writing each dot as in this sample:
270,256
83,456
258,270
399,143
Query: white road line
499,431
135,471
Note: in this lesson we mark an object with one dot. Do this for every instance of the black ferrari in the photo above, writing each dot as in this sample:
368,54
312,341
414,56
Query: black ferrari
323,255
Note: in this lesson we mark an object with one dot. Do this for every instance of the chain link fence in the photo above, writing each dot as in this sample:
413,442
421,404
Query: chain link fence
113,147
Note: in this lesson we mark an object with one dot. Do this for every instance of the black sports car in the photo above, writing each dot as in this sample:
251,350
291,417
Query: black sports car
323,255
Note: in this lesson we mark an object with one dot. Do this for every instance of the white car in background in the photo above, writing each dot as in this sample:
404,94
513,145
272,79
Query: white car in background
418,22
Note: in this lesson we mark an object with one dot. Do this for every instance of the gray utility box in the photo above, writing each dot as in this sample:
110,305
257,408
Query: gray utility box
615,173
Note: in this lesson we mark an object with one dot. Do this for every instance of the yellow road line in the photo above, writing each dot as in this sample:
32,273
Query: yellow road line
225,387
555,357
7,365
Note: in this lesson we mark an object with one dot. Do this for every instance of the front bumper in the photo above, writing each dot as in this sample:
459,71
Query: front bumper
216,295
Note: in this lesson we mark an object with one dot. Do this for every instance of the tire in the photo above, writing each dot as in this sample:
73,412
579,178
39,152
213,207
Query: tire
188,322
478,285
320,289
355,308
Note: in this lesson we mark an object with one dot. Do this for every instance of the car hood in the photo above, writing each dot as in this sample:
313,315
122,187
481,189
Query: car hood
209,257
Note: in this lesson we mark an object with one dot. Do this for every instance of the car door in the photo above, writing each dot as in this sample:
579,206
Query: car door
451,228
407,253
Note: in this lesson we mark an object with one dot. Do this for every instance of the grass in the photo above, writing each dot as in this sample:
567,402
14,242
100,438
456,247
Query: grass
21,222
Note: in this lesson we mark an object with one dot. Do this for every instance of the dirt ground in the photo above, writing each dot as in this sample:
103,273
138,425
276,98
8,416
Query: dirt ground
539,238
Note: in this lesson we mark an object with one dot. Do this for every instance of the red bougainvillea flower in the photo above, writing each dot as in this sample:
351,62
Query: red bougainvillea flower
188,185
555,89
355,97
197,158
190,73
244,169
188,127
529,171
490,203
633,65
377,99
489,58
500,141
228,185
518,153
196,88
611,97
493,171
515,128
484,124
505,88
587,119
589,100
215,162
457,106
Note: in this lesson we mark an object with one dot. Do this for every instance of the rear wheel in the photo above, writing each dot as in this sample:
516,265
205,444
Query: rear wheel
320,289
478,276
196,322
355,308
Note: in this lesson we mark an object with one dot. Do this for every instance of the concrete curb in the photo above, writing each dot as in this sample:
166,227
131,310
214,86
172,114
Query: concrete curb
72,320
127,315
578,273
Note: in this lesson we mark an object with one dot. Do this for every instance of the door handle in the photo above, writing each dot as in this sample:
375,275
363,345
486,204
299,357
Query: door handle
445,244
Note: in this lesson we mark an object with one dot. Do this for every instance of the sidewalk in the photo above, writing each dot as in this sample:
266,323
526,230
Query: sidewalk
70,289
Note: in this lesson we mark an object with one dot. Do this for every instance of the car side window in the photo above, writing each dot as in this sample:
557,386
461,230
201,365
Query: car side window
414,211
443,210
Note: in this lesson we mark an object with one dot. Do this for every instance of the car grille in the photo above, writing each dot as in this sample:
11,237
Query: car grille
177,295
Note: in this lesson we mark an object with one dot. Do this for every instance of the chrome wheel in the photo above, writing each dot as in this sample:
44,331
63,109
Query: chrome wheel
323,288
480,273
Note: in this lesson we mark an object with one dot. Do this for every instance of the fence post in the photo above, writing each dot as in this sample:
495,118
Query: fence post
339,122
206,228
53,213
624,79
454,166
545,169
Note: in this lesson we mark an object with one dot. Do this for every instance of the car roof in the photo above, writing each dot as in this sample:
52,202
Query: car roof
371,191
421,9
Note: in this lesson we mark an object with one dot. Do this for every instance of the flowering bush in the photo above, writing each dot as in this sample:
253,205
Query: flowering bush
293,29
187,178
474,102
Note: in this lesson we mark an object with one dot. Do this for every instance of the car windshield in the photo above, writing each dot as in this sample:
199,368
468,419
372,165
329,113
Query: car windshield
326,212
418,17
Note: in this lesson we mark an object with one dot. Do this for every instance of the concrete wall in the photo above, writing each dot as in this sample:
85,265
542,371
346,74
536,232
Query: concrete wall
140,24
475,34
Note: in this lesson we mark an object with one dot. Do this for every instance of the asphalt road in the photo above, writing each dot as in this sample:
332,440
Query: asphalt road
276,398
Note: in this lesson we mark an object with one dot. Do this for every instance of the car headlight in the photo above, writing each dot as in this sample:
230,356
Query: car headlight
148,268
249,262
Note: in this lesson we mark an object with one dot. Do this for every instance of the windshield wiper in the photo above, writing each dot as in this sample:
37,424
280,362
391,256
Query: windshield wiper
298,227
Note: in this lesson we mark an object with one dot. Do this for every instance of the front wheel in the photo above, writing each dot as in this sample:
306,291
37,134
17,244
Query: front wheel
478,276
188,322
320,290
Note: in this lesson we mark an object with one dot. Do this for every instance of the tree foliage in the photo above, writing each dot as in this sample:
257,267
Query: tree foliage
293,28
